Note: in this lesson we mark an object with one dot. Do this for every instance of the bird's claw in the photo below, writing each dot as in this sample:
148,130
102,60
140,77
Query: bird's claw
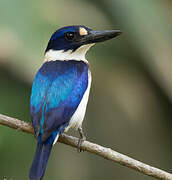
81,140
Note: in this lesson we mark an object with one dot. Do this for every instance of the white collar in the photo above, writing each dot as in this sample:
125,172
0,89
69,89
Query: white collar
79,54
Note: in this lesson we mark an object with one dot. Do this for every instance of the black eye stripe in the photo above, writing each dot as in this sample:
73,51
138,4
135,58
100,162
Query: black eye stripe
69,36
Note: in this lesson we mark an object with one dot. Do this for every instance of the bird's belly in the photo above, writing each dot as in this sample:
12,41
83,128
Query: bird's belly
78,116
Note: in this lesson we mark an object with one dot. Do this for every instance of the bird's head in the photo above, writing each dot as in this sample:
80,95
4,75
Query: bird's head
72,42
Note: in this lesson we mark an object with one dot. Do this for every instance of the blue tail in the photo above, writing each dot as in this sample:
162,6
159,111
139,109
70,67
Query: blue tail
39,163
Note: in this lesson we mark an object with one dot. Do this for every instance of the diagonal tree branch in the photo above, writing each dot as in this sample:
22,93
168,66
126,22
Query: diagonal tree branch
104,152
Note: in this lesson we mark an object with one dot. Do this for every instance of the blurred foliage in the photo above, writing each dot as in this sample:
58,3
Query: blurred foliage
131,97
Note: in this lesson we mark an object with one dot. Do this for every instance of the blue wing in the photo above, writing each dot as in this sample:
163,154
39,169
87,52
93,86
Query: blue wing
56,93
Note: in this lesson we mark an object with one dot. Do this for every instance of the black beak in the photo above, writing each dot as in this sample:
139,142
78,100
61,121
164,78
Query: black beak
99,36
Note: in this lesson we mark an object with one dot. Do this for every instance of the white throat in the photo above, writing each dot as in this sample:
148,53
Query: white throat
79,54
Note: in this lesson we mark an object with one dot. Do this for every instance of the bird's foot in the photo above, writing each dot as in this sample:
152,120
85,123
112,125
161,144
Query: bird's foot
81,139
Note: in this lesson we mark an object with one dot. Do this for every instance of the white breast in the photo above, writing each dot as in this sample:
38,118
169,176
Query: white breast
78,116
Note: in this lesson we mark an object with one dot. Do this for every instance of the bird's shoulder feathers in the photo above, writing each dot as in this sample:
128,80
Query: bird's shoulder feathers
57,91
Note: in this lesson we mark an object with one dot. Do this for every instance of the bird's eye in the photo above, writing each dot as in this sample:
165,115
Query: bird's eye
69,36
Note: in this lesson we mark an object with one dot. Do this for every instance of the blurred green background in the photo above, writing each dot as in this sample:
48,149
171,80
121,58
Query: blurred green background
130,105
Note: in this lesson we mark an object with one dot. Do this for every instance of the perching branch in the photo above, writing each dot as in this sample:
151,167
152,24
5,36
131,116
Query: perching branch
104,152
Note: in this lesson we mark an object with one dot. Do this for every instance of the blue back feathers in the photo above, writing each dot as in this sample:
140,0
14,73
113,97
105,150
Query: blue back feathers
57,90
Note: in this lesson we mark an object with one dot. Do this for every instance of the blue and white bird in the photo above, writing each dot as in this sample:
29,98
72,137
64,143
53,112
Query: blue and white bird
61,89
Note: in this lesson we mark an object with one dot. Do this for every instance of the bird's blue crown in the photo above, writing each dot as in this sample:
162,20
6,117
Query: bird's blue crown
68,38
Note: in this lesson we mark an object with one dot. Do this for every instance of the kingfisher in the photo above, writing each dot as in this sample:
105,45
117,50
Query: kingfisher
60,89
